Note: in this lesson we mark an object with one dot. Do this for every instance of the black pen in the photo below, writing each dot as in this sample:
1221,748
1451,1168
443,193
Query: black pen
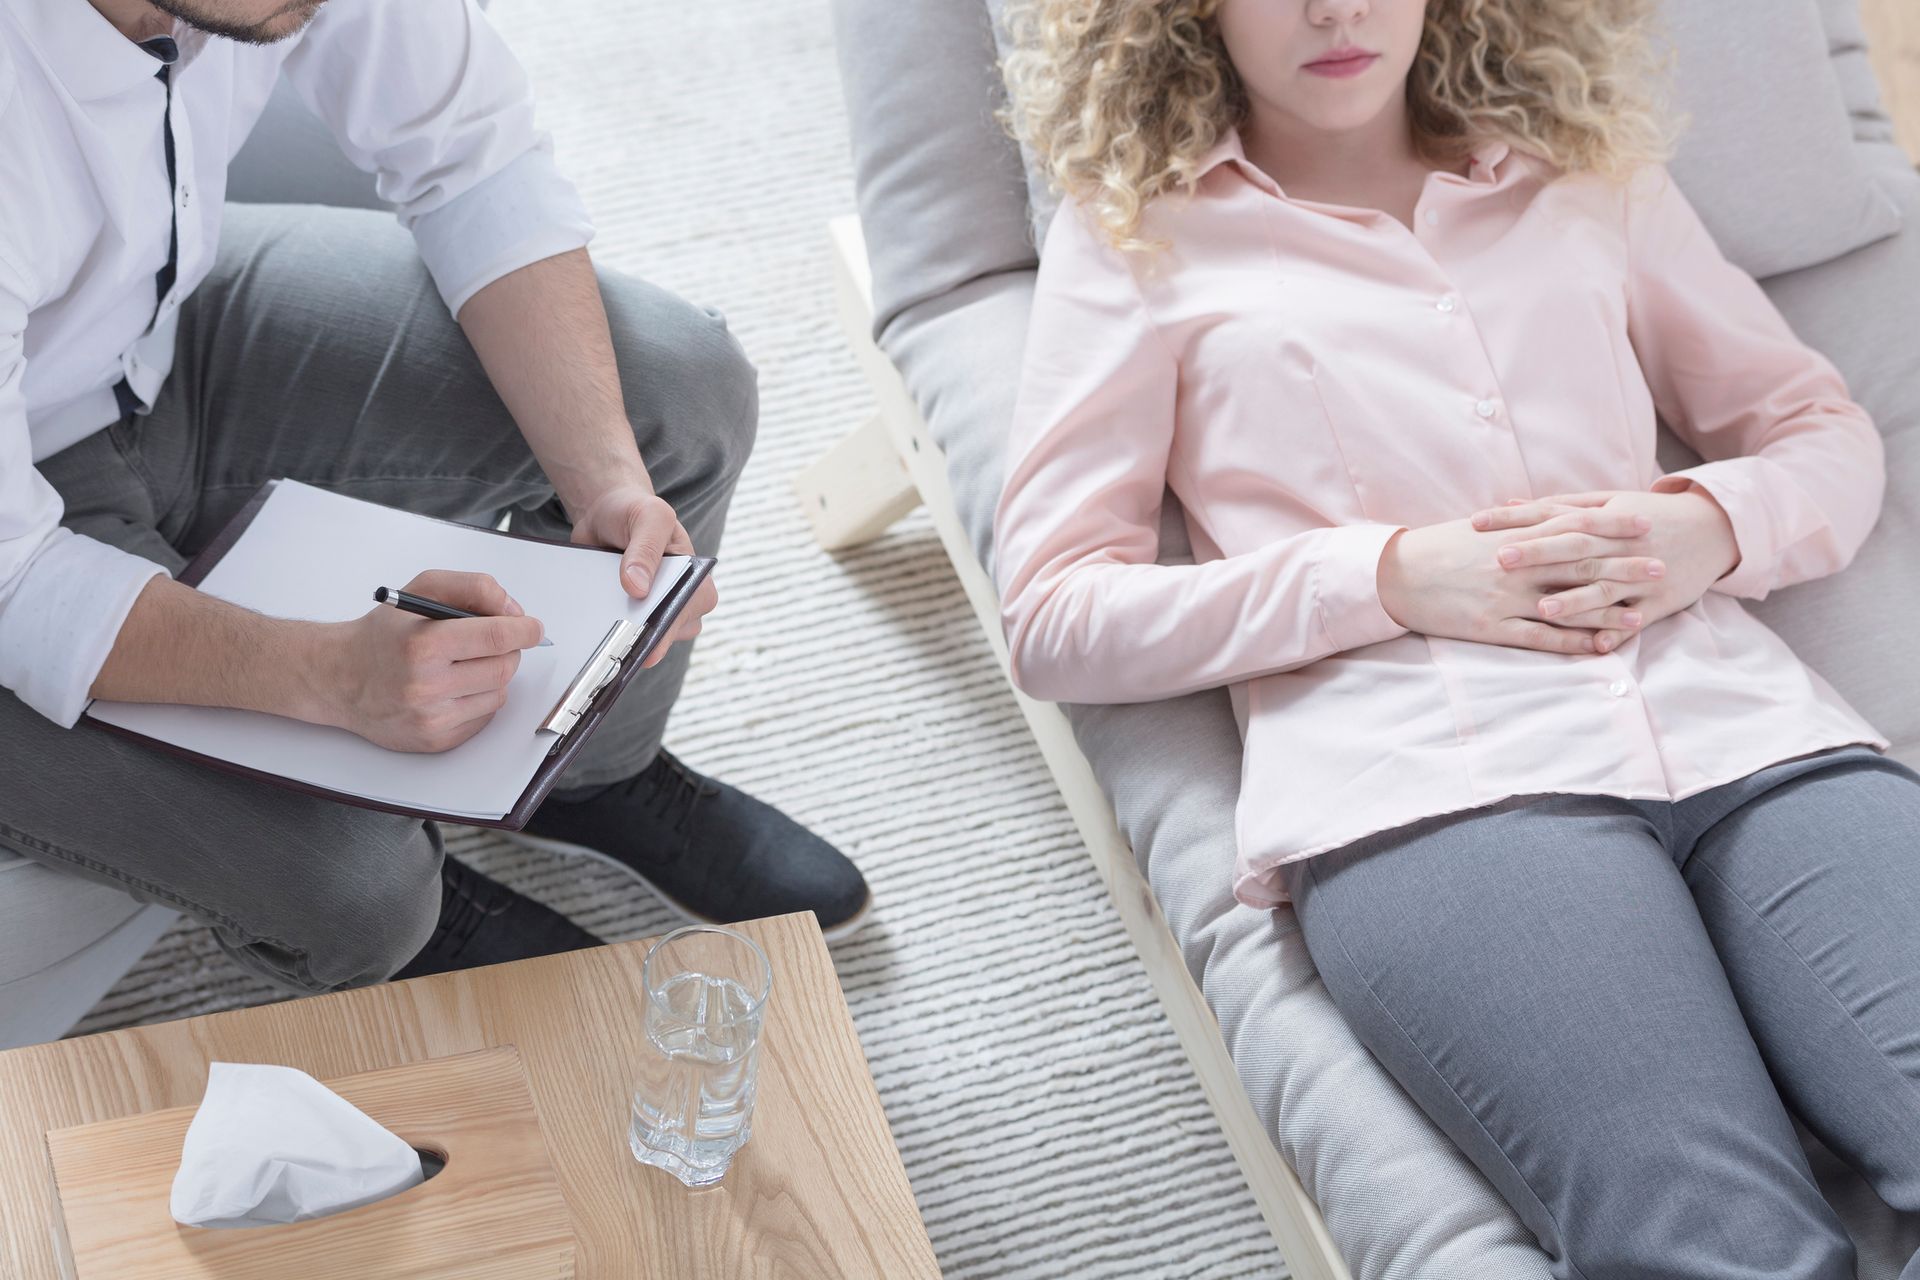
425,608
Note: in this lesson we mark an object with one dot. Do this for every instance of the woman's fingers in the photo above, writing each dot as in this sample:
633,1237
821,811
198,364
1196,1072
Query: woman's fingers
1610,627
1605,522
1616,581
1522,633
1520,513
1561,549
1624,618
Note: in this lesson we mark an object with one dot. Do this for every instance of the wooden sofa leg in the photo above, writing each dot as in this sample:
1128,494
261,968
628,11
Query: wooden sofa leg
856,489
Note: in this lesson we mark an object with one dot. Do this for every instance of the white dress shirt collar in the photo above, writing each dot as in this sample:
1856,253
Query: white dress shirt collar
91,57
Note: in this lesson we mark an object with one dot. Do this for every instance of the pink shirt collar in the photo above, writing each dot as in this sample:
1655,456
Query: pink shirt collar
1484,169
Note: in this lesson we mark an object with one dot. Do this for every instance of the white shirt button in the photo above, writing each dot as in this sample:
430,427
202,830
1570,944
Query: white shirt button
1484,408
1619,688
1433,217
1446,303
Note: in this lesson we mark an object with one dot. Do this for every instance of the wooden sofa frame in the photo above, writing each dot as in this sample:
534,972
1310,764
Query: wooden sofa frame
884,470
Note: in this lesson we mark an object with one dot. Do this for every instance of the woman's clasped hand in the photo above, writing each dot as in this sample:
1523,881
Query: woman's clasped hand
1572,573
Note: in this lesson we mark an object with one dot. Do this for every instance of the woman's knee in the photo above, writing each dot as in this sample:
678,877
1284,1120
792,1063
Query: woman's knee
691,392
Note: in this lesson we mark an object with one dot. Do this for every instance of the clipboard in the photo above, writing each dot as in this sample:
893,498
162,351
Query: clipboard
589,695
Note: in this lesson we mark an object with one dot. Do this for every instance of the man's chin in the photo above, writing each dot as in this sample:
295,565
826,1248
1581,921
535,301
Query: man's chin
292,23
289,21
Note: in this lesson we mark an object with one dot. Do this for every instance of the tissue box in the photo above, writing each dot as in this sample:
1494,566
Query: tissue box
495,1211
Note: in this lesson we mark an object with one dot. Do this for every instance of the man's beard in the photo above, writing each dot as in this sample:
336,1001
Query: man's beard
196,14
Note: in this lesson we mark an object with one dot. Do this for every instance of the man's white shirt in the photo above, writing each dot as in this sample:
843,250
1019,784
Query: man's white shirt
422,93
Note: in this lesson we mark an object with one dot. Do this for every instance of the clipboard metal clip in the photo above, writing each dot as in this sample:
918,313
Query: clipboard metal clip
596,675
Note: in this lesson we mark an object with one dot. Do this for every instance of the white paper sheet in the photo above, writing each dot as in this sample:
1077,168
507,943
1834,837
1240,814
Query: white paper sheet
315,555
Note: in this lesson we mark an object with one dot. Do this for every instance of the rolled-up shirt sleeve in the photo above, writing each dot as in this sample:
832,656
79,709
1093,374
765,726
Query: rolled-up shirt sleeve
62,596
1797,466
1089,615
426,96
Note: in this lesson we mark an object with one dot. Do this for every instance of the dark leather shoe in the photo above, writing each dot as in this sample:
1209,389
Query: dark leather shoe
484,922
712,852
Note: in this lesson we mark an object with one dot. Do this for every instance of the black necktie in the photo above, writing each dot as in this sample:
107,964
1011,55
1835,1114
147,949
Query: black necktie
168,52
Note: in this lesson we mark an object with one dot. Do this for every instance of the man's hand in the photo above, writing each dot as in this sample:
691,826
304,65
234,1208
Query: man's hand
1446,580
638,523
541,332
1688,536
409,684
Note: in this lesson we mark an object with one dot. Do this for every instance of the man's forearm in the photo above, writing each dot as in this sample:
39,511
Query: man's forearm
183,646
541,334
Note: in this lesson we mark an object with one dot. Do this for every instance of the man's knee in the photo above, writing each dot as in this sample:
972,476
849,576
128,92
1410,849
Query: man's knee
364,902
692,394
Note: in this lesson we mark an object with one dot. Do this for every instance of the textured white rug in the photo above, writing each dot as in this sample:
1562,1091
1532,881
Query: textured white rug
1048,1120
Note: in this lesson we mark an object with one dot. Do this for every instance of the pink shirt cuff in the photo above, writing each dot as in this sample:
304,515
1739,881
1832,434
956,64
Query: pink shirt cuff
1347,586
1732,483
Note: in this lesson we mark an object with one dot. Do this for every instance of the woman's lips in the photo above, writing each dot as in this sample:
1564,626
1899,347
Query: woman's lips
1343,63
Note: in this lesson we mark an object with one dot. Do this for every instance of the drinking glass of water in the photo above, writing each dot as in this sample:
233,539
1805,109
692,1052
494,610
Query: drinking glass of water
706,994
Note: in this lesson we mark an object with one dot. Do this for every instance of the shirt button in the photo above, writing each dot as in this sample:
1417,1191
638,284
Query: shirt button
1619,688
1446,303
1433,217
1484,408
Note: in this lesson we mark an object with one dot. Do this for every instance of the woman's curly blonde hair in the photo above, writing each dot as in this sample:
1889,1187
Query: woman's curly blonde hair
1120,100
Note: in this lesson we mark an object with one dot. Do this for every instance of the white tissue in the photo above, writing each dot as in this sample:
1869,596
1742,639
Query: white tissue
272,1144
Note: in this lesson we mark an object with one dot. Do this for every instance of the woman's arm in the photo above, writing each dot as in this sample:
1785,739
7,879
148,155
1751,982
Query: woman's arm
1089,616
1796,465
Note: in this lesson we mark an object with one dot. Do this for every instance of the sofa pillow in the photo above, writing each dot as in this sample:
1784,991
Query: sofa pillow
939,181
1767,156
1847,45
1042,199
1768,153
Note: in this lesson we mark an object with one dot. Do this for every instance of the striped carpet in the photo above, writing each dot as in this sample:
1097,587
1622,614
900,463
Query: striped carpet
1048,1120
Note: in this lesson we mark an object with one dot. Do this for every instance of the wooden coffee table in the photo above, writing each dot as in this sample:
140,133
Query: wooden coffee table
818,1191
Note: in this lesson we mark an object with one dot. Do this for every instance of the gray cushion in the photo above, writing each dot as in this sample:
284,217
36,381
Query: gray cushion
1042,199
928,156
1397,1196
1768,156
1863,310
67,940
1847,46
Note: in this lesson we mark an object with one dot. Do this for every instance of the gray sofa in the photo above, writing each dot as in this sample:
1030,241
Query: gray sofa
1790,161
63,940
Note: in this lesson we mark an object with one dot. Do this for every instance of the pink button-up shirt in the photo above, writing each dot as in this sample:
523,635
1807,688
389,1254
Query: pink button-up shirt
1307,379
